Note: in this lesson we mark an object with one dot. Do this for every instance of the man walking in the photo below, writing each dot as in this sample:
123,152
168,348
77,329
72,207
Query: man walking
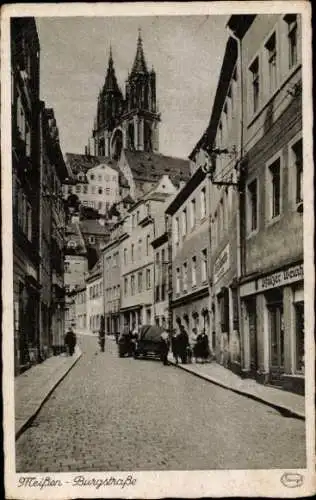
102,333
70,341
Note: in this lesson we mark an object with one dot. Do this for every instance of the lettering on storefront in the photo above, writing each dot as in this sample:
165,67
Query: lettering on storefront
281,278
222,264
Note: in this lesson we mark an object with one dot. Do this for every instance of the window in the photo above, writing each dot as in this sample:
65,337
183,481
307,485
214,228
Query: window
132,285
275,188
204,265
299,326
107,191
139,248
132,252
178,280
29,221
297,155
100,190
185,276
92,240
125,286
148,279
27,140
255,86
137,216
291,20
252,206
203,203
193,213
85,189
147,244
99,178
176,231
93,189
148,212
125,256
66,267
92,177
193,271
78,188
272,61
140,282
100,204
184,222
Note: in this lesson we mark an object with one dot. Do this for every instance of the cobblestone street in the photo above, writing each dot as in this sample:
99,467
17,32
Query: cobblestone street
122,414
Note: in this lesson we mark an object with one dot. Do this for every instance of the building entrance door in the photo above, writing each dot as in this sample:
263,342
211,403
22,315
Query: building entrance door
252,326
276,326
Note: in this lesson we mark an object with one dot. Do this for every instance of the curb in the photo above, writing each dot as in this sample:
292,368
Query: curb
30,419
285,411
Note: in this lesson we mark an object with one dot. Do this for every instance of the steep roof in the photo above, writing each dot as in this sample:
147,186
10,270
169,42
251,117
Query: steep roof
82,163
92,226
73,234
110,84
152,166
139,65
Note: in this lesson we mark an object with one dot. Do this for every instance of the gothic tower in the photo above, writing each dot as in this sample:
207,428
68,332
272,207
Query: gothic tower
139,122
109,110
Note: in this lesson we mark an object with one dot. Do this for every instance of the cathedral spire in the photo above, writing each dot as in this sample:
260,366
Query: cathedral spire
111,84
139,65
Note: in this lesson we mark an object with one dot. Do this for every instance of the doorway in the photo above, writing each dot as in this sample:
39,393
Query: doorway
276,327
251,306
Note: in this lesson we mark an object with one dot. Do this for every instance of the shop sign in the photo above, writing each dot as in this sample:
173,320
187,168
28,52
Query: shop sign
281,278
222,264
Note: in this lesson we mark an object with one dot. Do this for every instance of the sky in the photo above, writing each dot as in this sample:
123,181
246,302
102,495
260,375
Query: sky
186,53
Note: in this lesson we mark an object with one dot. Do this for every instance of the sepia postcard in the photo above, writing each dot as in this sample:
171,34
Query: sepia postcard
158,259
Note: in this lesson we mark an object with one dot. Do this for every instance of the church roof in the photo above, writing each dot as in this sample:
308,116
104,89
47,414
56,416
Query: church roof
139,65
110,84
151,166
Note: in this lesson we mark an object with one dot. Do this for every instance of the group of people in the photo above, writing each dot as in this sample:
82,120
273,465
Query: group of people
186,349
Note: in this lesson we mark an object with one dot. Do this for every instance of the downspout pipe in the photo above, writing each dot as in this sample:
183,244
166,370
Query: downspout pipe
240,194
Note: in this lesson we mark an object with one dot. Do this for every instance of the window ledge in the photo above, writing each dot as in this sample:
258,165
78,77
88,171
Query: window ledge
273,221
251,234
268,100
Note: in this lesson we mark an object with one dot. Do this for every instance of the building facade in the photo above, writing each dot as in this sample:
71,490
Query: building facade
111,255
94,296
190,250
53,224
25,50
96,185
137,256
272,293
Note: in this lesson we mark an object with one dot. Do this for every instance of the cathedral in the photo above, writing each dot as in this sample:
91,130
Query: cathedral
129,122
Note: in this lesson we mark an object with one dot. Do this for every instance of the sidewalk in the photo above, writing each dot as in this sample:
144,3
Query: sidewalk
33,387
289,404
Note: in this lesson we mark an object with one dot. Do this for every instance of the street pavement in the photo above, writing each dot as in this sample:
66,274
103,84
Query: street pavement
112,413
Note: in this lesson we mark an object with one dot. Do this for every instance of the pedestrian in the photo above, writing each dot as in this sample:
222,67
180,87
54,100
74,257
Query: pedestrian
205,348
102,334
174,346
183,342
164,347
70,341
193,339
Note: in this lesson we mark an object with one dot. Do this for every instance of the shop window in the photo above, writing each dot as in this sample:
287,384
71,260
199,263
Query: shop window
299,327
276,324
